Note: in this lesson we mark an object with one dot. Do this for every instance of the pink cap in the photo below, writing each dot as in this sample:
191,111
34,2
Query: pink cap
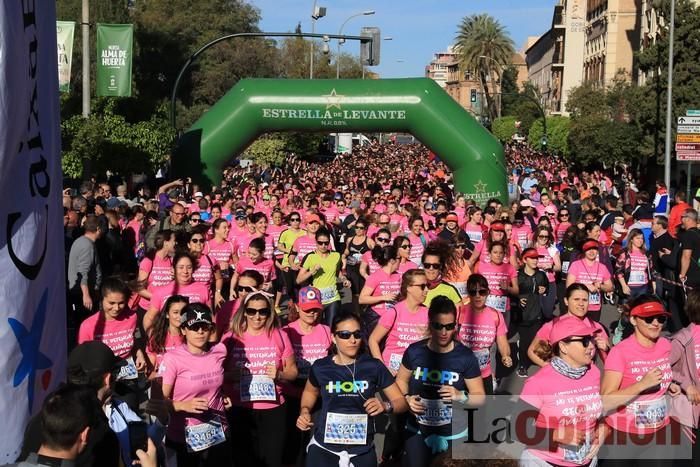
569,326
526,203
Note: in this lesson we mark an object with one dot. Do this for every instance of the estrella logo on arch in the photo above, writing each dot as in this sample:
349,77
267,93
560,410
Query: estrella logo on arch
435,376
347,387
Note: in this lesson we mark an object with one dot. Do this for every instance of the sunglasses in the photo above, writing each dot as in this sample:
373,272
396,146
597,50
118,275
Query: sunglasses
345,335
197,240
196,221
359,227
650,319
543,236
200,327
422,286
585,340
382,239
479,292
245,288
439,326
257,311
323,243
460,245
294,219
405,247
431,265
383,223
442,224
313,310
563,215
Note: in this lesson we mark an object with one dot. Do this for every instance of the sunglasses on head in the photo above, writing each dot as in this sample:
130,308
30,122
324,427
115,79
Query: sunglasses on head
480,292
345,335
257,311
431,265
197,240
650,319
440,326
585,340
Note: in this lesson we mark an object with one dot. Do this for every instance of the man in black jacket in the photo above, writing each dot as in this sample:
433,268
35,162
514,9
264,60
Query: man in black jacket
664,258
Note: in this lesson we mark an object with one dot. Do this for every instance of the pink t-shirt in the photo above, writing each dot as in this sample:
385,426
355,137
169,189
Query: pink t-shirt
646,413
303,246
307,349
220,252
639,265
564,401
546,260
252,354
331,214
405,328
240,244
224,315
478,331
373,265
275,231
417,248
171,343
475,233
696,339
192,376
522,235
561,230
382,283
266,267
117,334
587,274
407,266
206,267
197,292
494,274
270,245
160,272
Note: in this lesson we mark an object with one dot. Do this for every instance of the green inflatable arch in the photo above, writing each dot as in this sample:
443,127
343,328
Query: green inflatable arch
417,106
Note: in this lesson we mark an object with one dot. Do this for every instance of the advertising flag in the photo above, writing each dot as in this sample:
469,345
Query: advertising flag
114,50
64,42
32,288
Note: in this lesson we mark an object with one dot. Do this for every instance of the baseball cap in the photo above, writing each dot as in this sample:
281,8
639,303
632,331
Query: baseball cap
526,203
192,315
240,214
94,357
310,298
498,227
590,245
452,218
569,326
313,218
530,253
647,309
198,194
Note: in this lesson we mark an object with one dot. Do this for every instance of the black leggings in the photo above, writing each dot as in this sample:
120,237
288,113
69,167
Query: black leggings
417,453
526,334
257,436
319,457
221,454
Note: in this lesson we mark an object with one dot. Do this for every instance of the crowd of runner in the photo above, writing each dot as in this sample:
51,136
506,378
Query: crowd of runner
288,315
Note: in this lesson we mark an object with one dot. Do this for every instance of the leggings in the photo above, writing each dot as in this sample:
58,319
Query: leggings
488,384
418,454
526,333
319,457
329,312
214,456
548,301
257,436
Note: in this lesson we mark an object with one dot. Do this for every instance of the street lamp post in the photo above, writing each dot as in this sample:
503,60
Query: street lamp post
340,41
316,13
669,100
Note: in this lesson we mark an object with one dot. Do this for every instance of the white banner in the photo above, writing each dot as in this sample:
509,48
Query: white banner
64,45
32,289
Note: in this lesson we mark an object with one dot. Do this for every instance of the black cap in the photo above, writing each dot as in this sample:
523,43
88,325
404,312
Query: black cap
193,314
94,357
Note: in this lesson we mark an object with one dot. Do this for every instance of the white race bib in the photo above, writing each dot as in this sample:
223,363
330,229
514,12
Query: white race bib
483,356
650,414
395,361
128,371
637,278
345,429
328,294
437,413
497,302
461,288
594,298
577,454
475,237
257,388
565,266
204,435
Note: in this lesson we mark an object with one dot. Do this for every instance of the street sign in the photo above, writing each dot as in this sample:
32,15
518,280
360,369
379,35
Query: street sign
687,138
692,113
688,155
689,120
694,129
687,147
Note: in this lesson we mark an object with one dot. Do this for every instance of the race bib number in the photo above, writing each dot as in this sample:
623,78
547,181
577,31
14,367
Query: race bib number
637,278
577,454
328,294
522,243
594,298
204,435
257,388
345,429
475,237
565,267
497,302
437,413
650,414
395,361
483,356
128,371
461,288
354,259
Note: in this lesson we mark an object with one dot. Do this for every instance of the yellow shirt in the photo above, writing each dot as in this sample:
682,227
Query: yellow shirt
325,279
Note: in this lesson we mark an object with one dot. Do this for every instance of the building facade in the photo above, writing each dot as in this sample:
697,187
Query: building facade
437,68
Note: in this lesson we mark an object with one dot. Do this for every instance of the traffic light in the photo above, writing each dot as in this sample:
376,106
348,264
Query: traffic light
473,95
543,143
370,56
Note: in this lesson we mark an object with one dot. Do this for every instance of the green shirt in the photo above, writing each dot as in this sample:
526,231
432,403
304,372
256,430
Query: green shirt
325,278
445,289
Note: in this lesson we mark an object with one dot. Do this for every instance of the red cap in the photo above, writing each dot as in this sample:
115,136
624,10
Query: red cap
498,227
313,218
569,326
310,299
590,245
530,253
647,309
452,218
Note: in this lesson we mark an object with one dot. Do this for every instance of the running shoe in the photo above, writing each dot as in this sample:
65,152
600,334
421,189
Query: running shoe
522,372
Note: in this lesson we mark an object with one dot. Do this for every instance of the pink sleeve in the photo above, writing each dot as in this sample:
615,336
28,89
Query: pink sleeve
543,333
366,256
287,349
156,300
531,393
512,273
615,360
501,328
85,333
387,320
169,372
146,265
241,266
371,282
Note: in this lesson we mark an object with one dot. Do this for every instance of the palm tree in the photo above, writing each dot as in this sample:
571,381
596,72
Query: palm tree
485,49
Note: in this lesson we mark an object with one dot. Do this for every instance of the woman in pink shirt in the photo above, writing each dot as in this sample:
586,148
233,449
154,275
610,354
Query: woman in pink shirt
114,324
220,249
403,247
566,395
592,273
260,358
564,218
193,375
502,279
480,326
367,264
207,270
405,323
473,226
382,287
156,269
257,262
638,377
633,267
166,335
418,240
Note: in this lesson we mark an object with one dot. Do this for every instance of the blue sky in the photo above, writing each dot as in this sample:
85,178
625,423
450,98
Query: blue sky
419,27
